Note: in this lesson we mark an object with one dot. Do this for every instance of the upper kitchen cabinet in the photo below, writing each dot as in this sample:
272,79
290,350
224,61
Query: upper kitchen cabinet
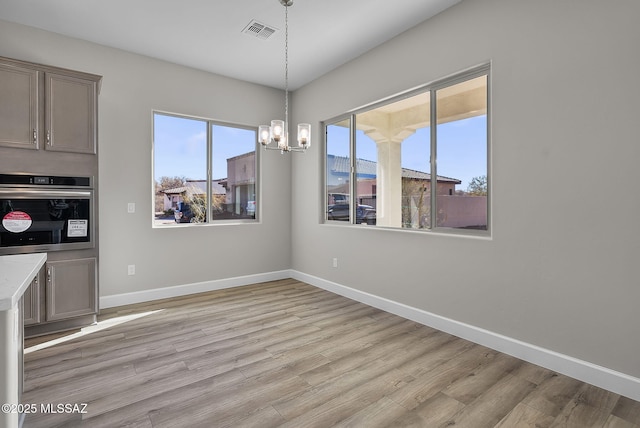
70,114
48,108
19,122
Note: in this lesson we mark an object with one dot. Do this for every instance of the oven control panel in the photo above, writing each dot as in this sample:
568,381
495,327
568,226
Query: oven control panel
43,180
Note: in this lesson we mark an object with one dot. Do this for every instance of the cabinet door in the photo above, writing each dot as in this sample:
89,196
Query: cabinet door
70,114
18,107
71,288
31,302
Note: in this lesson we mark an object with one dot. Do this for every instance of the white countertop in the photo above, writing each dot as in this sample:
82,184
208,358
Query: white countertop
16,273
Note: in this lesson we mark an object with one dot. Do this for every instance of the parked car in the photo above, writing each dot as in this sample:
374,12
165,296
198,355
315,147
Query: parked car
251,208
183,213
365,214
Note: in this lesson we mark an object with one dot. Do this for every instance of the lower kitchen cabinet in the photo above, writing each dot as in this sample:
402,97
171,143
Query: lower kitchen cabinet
63,290
31,312
71,288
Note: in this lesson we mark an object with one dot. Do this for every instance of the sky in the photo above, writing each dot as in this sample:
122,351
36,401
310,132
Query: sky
180,147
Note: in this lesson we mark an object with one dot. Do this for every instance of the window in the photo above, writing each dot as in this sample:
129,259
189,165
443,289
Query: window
404,173
204,171
338,167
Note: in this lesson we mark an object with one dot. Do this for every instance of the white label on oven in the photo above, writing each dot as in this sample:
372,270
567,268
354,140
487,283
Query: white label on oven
77,228
16,221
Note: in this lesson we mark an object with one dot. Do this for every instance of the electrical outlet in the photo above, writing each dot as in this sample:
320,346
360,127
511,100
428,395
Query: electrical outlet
131,207
335,262
131,270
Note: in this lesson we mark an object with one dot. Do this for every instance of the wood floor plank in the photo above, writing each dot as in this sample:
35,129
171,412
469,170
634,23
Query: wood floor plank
524,416
47,355
553,395
362,339
628,410
440,376
328,339
306,352
129,413
284,353
533,373
467,389
382,413
85,368
350,401
447,347
264,418
590,407
229,348
494,404
219,407
616,422
62,385
293,406
438,410
356,360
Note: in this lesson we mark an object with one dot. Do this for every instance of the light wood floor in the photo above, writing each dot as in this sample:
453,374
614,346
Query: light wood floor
285,353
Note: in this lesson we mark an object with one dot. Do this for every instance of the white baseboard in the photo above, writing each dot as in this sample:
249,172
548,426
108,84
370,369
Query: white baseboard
585,371
186,289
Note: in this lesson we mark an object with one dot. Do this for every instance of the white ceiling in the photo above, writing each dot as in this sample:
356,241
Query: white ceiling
207,34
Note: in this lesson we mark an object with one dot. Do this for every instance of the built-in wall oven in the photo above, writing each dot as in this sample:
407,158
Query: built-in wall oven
41,213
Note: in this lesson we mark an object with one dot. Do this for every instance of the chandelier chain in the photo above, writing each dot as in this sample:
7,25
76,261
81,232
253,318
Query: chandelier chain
286,67
278,132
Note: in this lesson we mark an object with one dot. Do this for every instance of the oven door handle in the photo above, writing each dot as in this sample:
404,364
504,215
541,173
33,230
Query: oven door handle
43,194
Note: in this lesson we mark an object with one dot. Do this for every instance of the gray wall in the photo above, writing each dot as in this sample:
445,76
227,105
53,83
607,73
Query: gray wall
132,87
561,268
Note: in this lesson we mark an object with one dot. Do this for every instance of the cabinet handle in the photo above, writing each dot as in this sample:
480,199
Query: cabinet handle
49,276
35,137
48,137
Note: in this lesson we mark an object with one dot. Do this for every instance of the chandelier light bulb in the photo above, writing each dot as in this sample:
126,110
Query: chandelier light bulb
304,135
277,130
264,134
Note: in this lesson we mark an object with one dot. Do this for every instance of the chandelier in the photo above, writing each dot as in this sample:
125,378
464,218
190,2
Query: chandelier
278,132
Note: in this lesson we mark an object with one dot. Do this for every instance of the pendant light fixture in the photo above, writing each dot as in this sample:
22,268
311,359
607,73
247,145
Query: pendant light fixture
278,132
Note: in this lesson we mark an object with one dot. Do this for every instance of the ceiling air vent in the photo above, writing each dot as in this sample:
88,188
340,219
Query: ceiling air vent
259,30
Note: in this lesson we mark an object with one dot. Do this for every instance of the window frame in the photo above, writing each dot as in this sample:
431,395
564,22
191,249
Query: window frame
432,88
209,221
